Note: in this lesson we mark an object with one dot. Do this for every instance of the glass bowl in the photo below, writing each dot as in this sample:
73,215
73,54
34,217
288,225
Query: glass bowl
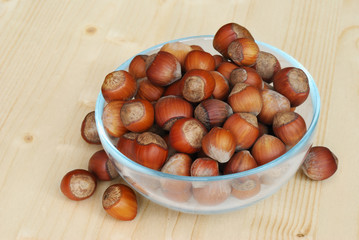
209,195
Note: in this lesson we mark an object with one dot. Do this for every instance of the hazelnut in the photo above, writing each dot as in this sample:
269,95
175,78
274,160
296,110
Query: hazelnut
169,109
267,148
320,163
221,89
112,119
243,51
197,59
137,67
219,144
197,85
212,112
273,102
164,69
246,75
289,126
267,65
118,85
244,127
240,162
292,83
177,49
186,135
226,34
150,150
149,91
245,98
137,115
177,164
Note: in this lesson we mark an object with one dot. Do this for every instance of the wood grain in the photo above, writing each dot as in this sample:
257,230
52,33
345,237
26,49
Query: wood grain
53,58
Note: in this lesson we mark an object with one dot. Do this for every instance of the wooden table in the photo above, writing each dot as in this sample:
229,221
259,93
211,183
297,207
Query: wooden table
53,58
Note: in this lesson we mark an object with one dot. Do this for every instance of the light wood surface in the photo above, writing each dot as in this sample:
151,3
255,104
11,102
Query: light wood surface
53,58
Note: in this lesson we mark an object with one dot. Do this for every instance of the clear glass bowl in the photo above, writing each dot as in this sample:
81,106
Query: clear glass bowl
209,195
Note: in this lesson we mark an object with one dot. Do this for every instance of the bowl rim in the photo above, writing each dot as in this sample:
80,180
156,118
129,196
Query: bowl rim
122,159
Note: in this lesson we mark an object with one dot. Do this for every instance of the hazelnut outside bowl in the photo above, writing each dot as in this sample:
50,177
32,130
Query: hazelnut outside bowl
272,176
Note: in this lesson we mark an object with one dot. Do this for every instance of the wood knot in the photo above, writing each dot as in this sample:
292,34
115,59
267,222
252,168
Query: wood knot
28,138
91,30
300,235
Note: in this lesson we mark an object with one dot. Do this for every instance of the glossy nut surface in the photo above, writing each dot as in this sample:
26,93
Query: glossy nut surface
226,68
197,85
221,89
246,99
212,112
204,167
137,67
186,135
149,91
267,65
320,163
292,83
102,167
239,162
88,129
198,59
78,184
118,85
177,164
273,102
137,115
177,49
126,144
219,144
174,89
112,120
226,34
169,109
243,51
120,202
267,148
164,69
244,127
289,126
150,150
246,75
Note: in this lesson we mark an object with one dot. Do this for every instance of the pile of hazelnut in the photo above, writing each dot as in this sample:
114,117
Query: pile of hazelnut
187,112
